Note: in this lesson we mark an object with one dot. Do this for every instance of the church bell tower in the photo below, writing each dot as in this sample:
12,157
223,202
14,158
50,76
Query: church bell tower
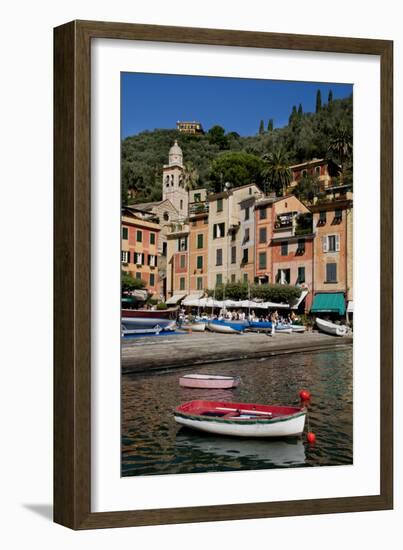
173,184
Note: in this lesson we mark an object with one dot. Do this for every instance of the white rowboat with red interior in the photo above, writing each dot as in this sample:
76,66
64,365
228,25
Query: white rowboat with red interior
209,381
241,419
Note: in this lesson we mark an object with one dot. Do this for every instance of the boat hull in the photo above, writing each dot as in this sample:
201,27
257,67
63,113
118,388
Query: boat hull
170,313
331,328
252,420
209,381
194,327
225,328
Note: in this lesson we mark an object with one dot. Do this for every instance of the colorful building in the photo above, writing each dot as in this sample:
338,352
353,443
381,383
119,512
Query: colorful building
139,251
178,273
230,252
333,255
198,252
321,169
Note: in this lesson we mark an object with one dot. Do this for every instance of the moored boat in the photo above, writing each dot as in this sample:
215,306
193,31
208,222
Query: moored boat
169,313
209,381
298,328
283,329
226,327
241,419
194,327
331,328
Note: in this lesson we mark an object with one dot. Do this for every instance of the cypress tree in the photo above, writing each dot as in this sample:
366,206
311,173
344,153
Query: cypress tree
318,101
261,127
293,115
300,111
270,125
330,98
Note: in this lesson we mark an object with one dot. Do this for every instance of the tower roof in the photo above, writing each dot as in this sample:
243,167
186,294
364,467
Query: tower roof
175,149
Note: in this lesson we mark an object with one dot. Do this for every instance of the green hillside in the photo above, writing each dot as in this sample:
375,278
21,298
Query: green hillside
306,136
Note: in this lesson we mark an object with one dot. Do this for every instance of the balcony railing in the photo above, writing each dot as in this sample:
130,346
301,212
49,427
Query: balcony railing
201,207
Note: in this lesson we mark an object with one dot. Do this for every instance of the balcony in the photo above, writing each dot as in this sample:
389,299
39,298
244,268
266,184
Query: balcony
200,207
293,224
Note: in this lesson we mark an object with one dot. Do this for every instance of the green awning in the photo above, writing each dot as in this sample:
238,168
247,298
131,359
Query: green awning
329,302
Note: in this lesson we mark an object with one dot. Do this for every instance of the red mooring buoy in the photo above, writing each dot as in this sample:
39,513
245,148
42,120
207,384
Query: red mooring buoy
305,395
311,437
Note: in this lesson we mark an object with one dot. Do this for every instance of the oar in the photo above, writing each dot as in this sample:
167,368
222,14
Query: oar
244,411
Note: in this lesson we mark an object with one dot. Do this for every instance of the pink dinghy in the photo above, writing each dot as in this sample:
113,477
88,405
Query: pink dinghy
209,381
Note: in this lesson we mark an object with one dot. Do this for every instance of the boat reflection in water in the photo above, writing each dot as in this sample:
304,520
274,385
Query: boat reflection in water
273,453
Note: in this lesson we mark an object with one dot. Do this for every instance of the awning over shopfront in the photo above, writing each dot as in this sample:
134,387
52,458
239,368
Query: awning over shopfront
329,302
302,297
193,300
173,300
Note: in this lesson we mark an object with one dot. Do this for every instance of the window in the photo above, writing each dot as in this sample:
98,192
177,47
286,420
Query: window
166,216
304,173
263,213
317,170
138,258
200,240
338,214
199,283
331,273
247,235
219,205
125,256
233,254
301,246
182,283
199,262
301,275
182,244
284,248
152,260
233,236
247,213
245,255
218,256
262,235
218,230
181,204
164,248
233,278
262,260
125,233
138,275
218,279
182,261
139,236
283,276
331,243
152,279
152,238
245,277
322,217
197,197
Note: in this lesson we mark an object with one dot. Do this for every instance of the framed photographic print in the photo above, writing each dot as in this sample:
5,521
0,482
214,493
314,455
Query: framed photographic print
223,275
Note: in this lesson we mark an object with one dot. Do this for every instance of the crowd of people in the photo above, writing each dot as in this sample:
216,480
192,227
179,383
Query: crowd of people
241,315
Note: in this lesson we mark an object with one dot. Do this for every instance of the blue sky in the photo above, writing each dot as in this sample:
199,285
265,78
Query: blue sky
151,101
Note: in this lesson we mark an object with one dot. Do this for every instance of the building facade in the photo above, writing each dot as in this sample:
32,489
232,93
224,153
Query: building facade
321,169
173,182
186,127
139,251
333,255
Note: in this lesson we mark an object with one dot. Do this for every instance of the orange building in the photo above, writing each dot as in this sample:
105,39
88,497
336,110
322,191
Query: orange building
139,253
178,280
333,280
198,252
268,212
321,169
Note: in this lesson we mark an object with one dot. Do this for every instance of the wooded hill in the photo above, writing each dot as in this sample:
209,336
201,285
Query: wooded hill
222,155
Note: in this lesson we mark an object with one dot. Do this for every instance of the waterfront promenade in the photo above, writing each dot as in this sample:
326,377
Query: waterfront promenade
147,354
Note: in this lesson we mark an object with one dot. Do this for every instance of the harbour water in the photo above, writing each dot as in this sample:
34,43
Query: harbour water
152,443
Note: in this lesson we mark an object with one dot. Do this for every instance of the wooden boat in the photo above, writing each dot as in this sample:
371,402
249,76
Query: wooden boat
241,419
226,327
133,326
194,327
298,328
283,329
260,324
331,328
169,313
209,381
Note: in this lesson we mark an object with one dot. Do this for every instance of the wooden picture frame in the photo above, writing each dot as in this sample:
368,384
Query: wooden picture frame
72,269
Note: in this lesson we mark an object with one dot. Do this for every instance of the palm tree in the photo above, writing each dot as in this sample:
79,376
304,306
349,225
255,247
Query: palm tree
190,176
341,143
276,174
